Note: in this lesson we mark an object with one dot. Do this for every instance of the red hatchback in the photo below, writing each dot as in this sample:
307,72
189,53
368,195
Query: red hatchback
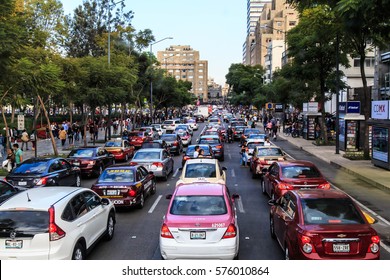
136,138
283,176
318,224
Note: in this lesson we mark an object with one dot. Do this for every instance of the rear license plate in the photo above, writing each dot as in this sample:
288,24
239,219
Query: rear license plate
22,183
198,235
13,244
112,192
76,163
341,248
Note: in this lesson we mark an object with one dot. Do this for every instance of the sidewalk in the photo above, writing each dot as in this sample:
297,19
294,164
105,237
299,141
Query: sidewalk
362,169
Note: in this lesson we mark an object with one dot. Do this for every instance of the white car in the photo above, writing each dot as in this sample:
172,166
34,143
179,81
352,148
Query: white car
158,128
202,170
54,223
186,127
170,125
193,124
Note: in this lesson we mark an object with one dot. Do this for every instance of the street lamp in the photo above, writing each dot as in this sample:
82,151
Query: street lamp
109,29
151,82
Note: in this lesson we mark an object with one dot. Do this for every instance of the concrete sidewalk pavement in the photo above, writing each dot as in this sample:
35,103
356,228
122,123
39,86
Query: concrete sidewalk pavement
362,169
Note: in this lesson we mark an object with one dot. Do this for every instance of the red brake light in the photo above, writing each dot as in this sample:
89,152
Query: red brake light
88,162
374,246
219,147
165,232
186,157
284,186
55,232
305,243
132,192
175,143
325,186
41,182
132,163
230,232
158,164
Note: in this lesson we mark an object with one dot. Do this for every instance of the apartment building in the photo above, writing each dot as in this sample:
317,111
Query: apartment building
184,63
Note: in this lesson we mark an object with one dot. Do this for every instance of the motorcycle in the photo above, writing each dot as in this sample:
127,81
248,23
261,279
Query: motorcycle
230,138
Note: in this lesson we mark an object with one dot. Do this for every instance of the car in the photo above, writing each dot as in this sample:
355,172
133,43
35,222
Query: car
42,172
193,124
185,127
215,142
136,138
319,224
170,125
156,144
158,128
189,153
185,137
174,143
54,223
248,131
215,120
7,190
202,169
199,118
156,160
213,131
121,149
237,132
91,160
126,186
200,223
262,157
283,176
151,130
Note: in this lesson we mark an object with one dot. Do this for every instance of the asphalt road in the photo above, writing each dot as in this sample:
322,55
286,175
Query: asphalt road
137,231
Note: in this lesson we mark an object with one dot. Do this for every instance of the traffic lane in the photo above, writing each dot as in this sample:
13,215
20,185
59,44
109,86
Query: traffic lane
374,199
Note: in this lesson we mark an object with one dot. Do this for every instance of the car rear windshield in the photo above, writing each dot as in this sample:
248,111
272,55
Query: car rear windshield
168,137
196,170
116,175
300,172
23,221
151,145
198,205
330,211
147,155
114,144
252,131
254,144
134,134
190,150
209,141
82,153
168,122
31,168
270,152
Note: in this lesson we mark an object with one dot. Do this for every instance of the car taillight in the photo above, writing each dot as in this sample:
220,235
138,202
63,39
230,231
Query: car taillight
165,232
218,147
186,158
55,232
325,186
374,246
132,192
230,232
157,164
175,143
40,182
284,186
88,162
132,163
305,243
235,132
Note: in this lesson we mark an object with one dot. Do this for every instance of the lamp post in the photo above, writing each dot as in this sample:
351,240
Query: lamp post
109,29
151,81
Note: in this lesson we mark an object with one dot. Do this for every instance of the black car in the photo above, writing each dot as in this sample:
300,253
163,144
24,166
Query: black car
7,190
189,154
91,160
41,172
174,143
156,144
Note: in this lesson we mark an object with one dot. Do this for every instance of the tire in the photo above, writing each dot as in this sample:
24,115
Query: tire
141,201
78,181
79,252
263,187
154,188
237,257
272,227
110,230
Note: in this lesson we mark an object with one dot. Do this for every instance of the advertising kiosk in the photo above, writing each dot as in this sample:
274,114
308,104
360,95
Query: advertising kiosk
380,123
349,125
310,114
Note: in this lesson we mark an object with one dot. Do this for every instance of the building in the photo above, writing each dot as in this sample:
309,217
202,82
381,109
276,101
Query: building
214,91
183,63
254,10
382,75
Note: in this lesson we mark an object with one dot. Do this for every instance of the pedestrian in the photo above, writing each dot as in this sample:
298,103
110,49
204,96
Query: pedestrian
10,160
267,142
244,155
70,135
196,153
18,154
62,136
25,138
33,140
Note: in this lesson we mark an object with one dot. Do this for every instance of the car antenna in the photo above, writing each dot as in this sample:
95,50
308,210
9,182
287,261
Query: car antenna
28,197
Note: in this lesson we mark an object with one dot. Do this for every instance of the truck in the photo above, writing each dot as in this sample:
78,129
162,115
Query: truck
204,111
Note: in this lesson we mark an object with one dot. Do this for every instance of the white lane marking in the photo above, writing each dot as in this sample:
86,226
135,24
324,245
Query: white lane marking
233,173
230,156
177,171
155,204
240,206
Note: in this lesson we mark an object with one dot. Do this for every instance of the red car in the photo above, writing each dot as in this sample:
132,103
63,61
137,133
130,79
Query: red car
318,224
136,138
121,149
283,176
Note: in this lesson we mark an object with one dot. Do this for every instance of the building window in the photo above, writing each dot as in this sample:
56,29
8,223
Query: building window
177,77
292,23
200,70
370,62
200,77
184,76
356,62
201,64
190,77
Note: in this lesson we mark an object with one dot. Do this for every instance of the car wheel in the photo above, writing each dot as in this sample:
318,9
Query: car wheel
78,181
110,227
272,227
237,257
78,252
263,186
141,201
154,187
126,157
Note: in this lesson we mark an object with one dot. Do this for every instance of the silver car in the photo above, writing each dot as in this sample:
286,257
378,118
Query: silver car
156,160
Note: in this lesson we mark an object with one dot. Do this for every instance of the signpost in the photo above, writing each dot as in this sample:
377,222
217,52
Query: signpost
20,122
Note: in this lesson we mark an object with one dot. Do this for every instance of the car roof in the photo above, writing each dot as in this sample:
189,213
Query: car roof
295,162
41,159
125,166
150,150
317,193
210,136
201,188
201,160
39,198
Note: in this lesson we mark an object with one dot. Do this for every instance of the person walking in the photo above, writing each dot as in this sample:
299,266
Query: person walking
70,135
244,155
18,154
11,160
62,136
25,138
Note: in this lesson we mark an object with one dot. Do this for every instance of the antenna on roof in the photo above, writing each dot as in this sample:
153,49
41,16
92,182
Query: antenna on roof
28,197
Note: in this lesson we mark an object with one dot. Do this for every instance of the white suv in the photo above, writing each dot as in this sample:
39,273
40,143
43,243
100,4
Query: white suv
54,223
170,125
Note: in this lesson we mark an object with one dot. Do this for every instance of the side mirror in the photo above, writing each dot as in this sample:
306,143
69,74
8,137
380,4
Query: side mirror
168,196
105,201
272,202
224,168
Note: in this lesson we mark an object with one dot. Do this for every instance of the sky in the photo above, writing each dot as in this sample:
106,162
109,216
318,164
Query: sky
215,28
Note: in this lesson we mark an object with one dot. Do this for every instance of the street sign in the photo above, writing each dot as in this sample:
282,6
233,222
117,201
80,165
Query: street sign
279,107
269,106
20,122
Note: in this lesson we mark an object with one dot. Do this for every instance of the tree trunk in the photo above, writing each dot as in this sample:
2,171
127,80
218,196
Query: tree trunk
12,114
6,129
70,113
48,123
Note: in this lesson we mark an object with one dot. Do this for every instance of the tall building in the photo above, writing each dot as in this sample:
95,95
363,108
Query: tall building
254,10
183,63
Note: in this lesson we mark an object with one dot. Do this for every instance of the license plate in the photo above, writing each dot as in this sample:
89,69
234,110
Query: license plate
76,163
13,244
112,192
118,202
341,248
22,183
198,235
